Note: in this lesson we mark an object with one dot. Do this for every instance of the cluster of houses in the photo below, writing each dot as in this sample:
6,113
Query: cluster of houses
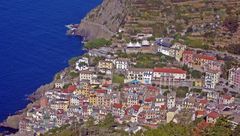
140,100
142,104
206,63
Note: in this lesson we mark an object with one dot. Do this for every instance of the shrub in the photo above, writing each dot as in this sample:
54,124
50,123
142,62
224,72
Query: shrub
118,79
97,43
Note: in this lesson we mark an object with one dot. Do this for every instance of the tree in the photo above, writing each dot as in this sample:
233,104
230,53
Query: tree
72,61
231,23
182,91
234,48
108,121
221,128
97,43
170,129
196,74
90,122
236,131
118,79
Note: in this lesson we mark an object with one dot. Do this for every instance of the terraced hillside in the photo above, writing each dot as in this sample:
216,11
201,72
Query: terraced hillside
204,24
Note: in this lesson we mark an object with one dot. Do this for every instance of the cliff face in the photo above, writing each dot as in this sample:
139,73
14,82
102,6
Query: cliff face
103,21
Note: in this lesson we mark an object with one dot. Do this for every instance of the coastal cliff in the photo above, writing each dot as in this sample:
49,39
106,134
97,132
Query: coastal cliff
103,21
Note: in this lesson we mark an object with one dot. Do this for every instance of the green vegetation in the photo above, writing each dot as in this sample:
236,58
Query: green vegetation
166,92
196,74
119,79
90,122
95,61
152,60
97,43
221,128
66,86
105,127
170,129
196,90
196,43
58,76
108,122
182,91
230,63
236,131
61,131
148,60
72,61
73,74
234,49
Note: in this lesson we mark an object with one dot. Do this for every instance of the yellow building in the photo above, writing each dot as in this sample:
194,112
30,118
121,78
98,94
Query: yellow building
83,90
105,65
198,83
61,104
93,99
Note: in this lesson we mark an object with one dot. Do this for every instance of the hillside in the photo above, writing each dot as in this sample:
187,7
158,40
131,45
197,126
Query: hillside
210,23
103,21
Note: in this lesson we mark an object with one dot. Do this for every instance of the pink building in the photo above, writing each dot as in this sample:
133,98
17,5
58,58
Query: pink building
187,57
215,65
44,102
234,77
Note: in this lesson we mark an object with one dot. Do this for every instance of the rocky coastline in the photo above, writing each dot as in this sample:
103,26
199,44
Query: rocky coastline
103,21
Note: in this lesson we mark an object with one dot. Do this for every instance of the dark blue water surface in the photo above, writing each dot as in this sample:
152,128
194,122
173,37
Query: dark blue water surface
33,45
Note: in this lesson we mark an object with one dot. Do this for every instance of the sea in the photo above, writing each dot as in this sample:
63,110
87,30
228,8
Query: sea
34,46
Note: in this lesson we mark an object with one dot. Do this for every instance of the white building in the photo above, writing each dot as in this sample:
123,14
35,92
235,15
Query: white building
134,45
145,43
74,101
121,64
211,79
141,75
82,64
169,73
234,77
227,99
171,100
59,84
87,75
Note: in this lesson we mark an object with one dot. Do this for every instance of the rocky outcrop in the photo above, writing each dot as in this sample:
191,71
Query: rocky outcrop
103,21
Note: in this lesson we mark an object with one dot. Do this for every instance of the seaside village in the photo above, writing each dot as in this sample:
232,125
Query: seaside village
141,83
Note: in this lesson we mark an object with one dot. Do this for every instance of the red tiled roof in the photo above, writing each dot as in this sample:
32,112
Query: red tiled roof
65,91
101,91
221,61
206,57
227,97
117,105
105,85
60,111
213,115
202,125
163,107
151,88
200,113
149,99
136,107
71,88
169,70
203,101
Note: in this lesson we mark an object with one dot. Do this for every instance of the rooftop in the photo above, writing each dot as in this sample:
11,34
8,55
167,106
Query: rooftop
169,70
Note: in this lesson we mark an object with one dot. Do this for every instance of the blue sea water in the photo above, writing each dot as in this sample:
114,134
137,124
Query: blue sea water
33,45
